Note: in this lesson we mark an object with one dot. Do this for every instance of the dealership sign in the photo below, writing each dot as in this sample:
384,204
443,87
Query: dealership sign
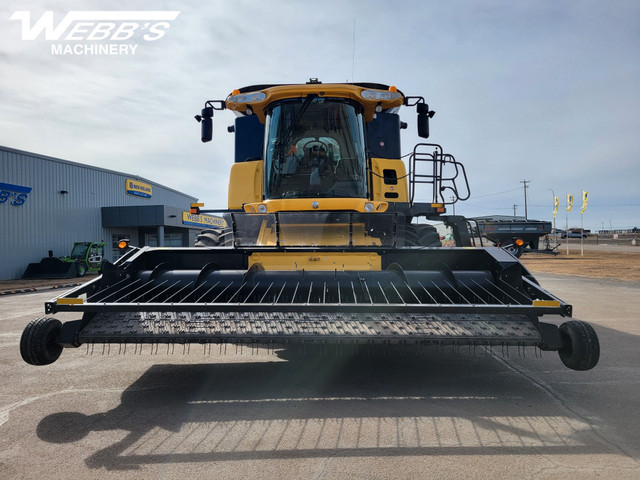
14,195
202,220
138,189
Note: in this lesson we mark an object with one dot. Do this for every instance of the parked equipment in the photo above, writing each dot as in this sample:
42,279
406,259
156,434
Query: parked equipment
325,241
85,257
516,235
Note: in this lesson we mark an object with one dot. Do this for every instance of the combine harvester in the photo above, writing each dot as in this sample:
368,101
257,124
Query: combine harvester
324,242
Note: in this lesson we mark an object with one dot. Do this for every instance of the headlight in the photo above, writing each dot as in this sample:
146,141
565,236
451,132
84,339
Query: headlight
380,95
254,97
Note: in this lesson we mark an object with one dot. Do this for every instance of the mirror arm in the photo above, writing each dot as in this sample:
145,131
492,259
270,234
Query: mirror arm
206,118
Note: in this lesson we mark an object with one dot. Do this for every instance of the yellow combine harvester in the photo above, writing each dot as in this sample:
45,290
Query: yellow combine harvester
325,240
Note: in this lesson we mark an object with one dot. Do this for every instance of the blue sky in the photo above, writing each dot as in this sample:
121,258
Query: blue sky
546,91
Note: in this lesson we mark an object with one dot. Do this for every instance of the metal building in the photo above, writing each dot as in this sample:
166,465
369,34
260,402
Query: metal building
46,204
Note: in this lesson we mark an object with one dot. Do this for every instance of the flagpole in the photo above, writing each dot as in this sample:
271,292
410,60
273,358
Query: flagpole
566,223
555,212
585,201
581,236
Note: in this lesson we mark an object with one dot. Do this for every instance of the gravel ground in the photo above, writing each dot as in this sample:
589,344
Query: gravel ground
594,263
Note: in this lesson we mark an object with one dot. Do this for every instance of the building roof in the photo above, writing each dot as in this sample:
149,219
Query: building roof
92,167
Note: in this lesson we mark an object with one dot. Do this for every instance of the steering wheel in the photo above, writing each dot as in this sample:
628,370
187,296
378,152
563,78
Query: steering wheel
319,142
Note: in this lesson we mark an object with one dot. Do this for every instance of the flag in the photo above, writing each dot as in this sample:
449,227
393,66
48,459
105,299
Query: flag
556,204
569,202
585,200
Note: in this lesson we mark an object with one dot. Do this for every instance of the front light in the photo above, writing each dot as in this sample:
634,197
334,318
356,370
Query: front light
254,97
262,208
368,207
380,95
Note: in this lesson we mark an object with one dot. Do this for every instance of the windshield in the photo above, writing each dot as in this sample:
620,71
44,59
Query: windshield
315,148
79,250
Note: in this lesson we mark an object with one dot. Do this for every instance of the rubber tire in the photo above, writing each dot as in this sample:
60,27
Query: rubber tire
81,269
214,238
514,250
38,345
422,236
581,348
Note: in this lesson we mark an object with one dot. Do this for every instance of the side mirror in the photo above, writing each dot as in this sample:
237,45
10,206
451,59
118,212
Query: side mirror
424,114
206,133
206,124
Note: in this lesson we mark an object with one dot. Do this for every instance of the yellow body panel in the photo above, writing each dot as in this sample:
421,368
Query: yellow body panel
316,235
398,192
316,204
245,183
334,90
291,261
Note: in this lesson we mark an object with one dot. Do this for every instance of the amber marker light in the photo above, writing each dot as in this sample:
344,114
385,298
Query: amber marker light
195,208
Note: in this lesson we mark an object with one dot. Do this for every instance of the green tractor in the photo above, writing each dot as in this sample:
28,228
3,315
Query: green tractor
85,257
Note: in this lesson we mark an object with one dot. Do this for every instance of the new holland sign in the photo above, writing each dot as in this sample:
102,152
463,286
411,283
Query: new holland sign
138,189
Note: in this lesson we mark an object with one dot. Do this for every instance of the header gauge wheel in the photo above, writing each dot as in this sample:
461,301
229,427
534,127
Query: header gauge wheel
581,348
38,344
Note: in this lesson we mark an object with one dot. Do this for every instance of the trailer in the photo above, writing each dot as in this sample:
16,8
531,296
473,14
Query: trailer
517,235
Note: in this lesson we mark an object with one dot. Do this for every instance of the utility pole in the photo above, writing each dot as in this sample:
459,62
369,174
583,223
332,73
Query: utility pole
453,203
525,197
514,210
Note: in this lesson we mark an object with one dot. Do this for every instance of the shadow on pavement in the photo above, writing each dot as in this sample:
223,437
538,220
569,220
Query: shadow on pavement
433,403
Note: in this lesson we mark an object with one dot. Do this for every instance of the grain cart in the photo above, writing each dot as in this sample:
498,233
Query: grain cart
516,235
327,240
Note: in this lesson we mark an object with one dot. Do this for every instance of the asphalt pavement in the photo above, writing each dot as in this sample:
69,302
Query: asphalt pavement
428,414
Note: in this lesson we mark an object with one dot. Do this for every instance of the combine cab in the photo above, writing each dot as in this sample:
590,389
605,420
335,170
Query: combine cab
327,239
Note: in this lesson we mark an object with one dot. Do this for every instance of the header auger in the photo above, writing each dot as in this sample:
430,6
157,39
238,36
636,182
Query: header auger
327,238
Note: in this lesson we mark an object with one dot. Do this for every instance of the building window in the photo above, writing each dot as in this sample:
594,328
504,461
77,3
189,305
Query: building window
170,239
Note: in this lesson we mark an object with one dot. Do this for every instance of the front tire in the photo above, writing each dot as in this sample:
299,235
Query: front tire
81,269
38,344
422,236
581,348
214,238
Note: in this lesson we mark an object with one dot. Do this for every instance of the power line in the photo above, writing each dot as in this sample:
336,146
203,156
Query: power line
497,193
